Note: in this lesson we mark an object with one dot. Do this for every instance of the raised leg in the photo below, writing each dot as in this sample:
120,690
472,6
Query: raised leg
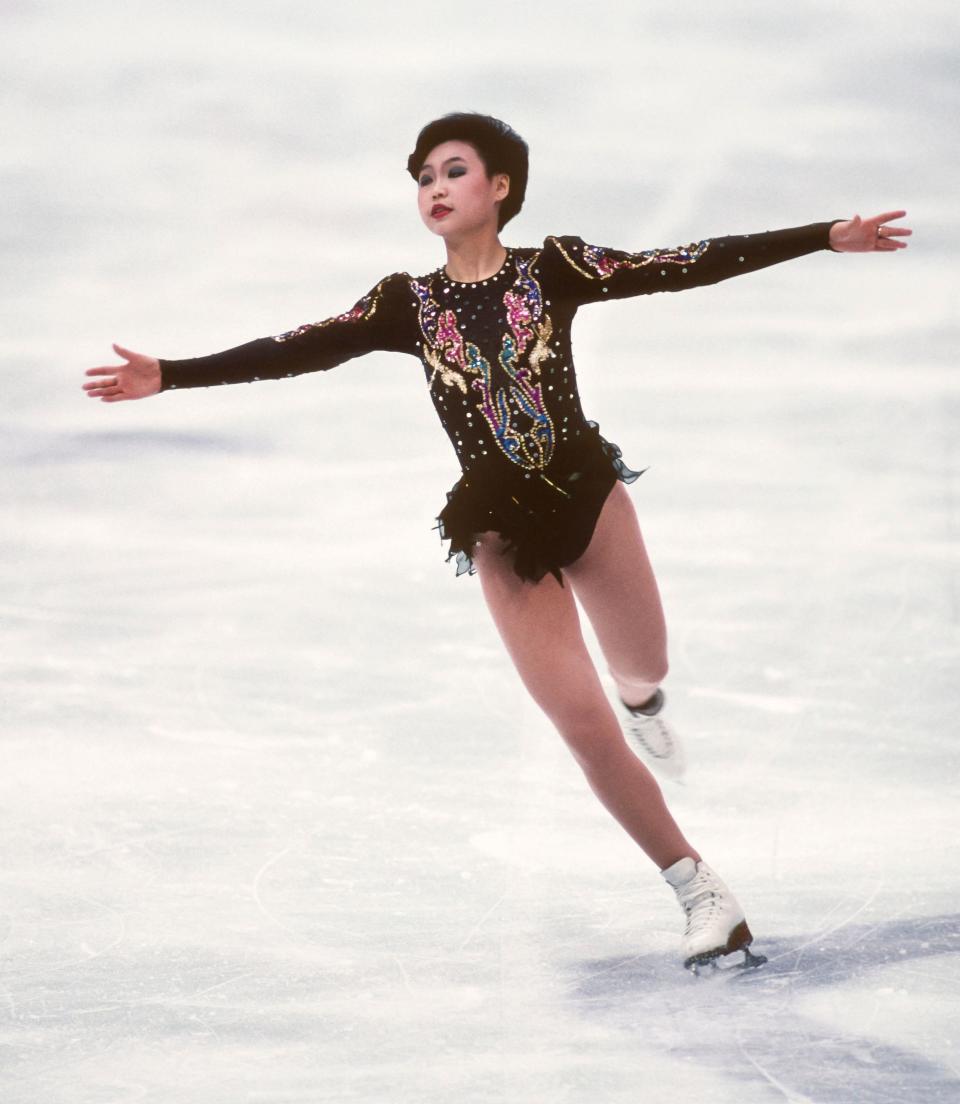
540,626
615,584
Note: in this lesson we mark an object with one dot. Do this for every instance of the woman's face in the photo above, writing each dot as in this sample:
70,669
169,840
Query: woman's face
454,195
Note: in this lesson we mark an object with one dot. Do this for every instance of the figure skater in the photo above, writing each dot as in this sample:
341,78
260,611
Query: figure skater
541,501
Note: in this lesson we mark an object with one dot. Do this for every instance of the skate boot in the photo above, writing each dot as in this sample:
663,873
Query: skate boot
716,926
652,738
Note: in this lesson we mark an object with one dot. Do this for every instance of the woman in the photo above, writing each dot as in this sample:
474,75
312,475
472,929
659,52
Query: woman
541,500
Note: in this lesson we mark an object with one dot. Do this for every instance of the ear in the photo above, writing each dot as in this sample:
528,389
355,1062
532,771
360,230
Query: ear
501,186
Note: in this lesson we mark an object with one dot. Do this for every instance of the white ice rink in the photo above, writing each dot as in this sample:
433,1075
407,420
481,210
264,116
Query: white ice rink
279,823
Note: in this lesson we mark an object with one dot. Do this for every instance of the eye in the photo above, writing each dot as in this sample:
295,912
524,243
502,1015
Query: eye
424,180
457,171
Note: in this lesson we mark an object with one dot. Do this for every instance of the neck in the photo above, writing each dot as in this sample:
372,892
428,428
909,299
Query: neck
472,259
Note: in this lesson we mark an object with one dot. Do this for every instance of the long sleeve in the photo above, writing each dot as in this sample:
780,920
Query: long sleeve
382,320
589,273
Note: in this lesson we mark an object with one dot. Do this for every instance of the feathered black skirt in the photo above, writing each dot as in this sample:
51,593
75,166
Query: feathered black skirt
546,519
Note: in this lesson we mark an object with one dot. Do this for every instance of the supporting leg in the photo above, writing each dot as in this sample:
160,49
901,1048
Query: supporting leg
540,627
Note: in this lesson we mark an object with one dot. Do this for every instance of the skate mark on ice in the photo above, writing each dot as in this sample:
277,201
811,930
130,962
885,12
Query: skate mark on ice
33,972
483,919
788,1094
157,1000
404,976
258,900
174,999
799,952
756,1016
309,938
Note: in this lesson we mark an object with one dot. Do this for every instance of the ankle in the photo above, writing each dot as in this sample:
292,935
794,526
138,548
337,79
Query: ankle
649,707
693,856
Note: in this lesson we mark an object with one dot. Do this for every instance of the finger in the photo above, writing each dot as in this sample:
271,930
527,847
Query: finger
886,238
99,386
127,353
887,216
105,371
878,220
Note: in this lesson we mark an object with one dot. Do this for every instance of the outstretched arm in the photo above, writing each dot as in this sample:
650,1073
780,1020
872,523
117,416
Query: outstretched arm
382,319
590,274
869,235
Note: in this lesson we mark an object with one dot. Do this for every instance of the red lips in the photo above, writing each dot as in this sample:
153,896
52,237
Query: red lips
438,210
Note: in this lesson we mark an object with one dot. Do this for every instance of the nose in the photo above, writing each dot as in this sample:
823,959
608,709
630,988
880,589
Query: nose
439,189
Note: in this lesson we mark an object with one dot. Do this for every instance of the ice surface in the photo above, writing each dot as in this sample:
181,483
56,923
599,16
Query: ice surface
280,824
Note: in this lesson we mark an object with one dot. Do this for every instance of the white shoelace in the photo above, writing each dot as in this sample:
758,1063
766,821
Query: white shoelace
645,729
700,901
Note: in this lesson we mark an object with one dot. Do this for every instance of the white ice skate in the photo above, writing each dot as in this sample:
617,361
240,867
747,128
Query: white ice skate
716,926
652,738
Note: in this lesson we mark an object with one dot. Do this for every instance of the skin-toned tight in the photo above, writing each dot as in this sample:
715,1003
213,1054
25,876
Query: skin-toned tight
540,626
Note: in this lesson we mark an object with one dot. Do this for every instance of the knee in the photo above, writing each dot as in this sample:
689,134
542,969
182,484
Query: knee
652,670
593,736
602,755
658,669
575,721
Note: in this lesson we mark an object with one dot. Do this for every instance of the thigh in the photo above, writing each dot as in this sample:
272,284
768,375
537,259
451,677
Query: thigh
615,584
540,627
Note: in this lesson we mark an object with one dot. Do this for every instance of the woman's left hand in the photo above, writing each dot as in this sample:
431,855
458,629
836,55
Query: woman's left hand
869,235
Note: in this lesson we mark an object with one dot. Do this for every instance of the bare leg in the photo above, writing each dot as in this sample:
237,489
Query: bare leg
540,627
614,583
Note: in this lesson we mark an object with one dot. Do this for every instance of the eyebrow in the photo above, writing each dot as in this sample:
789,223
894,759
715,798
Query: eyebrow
427,165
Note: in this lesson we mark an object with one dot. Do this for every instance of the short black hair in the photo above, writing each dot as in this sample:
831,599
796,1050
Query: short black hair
499,146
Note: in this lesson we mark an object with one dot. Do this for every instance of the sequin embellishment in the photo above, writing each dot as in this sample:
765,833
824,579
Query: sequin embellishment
363,310
602,263
445,351
452,360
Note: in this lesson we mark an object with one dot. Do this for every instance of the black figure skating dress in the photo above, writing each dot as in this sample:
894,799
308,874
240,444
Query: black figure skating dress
499,368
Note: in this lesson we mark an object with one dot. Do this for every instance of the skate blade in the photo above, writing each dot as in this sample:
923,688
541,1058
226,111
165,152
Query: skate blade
734,963
736,955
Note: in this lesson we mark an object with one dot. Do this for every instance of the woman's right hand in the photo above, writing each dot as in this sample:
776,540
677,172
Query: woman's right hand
137,379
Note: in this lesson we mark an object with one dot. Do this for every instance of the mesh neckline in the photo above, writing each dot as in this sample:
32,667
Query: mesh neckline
495,278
